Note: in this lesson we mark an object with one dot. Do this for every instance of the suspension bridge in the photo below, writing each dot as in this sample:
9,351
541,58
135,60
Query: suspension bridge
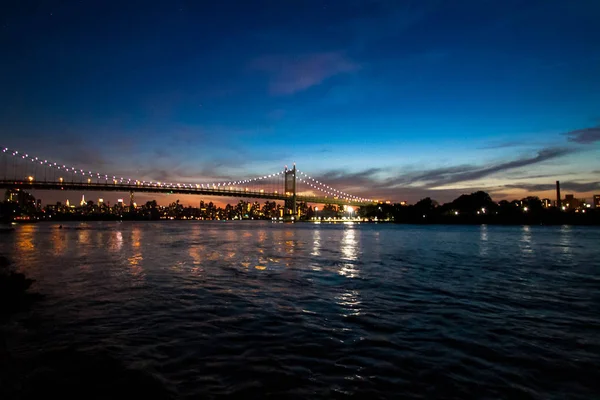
20,170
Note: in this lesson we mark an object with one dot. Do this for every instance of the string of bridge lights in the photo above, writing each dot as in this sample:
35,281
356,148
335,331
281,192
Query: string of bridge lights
312,182
129,181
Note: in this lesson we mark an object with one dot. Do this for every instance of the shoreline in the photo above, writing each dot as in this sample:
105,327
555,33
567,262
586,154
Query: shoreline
448,221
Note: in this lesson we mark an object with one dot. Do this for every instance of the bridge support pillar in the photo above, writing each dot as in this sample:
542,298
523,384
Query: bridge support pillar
289,209
131,206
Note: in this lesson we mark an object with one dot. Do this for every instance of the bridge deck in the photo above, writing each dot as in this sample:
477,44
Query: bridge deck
120,187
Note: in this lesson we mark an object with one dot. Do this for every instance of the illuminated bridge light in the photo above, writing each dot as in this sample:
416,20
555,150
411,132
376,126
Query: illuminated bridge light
300,176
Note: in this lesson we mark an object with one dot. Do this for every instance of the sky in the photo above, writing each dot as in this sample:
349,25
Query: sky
383,99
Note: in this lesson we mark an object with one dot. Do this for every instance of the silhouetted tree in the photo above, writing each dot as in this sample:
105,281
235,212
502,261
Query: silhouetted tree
471,203
533,203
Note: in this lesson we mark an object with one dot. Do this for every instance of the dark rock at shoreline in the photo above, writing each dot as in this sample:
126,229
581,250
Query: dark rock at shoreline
64,374
13,290
4,264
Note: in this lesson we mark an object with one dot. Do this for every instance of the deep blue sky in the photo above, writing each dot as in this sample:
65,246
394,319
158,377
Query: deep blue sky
395,99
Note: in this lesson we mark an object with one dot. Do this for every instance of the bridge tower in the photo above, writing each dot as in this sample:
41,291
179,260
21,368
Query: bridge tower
289,208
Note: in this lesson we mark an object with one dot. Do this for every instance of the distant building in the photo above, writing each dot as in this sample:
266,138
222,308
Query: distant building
570,202
12,195
596,201
546,203
23,199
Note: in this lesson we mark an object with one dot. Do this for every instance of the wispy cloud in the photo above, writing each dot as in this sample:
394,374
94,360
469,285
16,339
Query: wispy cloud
584,136
543,155
376,182
292,74
501,145
526,175
578,187
508,144
465,173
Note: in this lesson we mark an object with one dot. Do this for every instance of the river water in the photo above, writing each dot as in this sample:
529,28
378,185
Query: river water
256,310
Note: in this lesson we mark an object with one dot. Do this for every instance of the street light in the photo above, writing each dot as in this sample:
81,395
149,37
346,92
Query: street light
30,179
61,180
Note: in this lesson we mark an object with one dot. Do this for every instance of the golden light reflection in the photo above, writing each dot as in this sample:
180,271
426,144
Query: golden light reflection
260,267
58,241
136,235
213,256
135,264
178,266
262,236
135,259
195,253
83,235
116,241
289,246
25,240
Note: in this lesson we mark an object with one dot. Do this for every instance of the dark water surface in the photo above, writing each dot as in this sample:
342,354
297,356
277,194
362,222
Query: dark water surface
318,311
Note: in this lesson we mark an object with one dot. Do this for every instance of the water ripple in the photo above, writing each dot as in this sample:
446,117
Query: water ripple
312,311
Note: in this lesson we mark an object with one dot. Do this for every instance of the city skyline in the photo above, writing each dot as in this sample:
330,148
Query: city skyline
390,100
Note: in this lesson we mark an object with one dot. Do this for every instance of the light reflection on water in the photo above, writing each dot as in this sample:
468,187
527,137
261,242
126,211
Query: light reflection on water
349,253
26,238
525,243
316,243
483,241
84,237
58,242
350,302
361,308
566,239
